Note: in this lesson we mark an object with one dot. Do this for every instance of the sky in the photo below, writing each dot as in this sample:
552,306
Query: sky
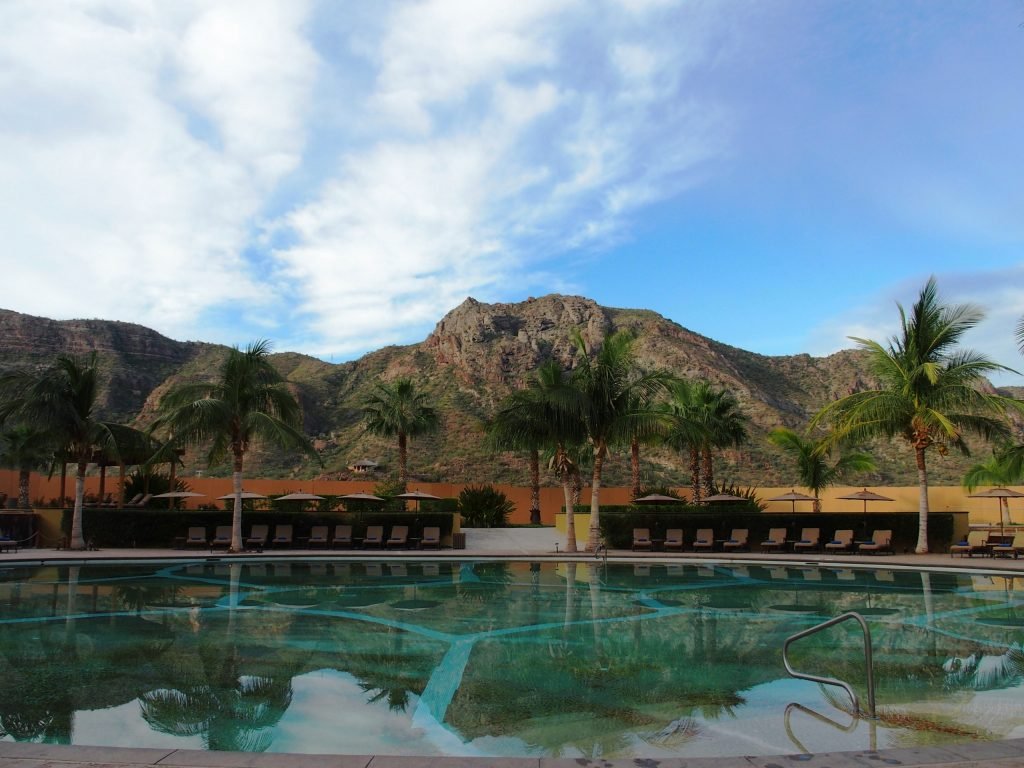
336,176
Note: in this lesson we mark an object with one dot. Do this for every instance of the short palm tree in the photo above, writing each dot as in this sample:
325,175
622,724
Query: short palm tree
685,429
25,448
609,390
1004,467
397,409
928,392
61,401
249,402
815,471
726,427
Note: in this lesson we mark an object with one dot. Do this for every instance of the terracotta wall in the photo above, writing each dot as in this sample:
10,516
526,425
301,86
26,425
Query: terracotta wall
941,498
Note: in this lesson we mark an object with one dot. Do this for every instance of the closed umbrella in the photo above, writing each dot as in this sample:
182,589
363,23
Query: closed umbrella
866,496
792,497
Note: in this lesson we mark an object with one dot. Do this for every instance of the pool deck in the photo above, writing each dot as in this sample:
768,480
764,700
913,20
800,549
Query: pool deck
521,544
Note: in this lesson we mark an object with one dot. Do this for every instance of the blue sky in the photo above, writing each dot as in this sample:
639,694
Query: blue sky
336,176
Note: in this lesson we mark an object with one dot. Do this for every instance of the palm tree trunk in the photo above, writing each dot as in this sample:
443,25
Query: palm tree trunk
634,460
534,485
707,471
403,455
570,505
236,515
695,475
816,504
77,540
922,504
24,476
594,535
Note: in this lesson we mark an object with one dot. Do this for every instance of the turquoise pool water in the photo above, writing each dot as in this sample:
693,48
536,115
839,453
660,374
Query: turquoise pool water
489,658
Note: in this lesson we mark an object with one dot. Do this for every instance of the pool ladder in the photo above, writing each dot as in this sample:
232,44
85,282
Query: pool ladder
868,663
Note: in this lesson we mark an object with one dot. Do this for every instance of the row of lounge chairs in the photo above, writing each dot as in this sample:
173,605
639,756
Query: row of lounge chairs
981,543
259,537
739,540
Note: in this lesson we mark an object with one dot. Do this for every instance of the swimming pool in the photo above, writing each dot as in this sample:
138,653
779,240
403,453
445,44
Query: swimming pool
501,658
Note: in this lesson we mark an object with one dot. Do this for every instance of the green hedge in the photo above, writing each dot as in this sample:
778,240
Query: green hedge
618,522
159,528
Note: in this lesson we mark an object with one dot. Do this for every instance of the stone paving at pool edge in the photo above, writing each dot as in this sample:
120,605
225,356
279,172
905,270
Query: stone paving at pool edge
512,543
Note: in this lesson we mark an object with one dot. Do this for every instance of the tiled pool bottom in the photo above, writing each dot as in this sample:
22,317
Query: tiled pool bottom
649,661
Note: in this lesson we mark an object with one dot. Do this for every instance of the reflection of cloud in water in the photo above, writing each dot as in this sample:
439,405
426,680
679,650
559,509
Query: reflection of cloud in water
123,726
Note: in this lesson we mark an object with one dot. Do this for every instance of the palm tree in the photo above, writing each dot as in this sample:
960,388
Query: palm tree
249,402
928,390
726,427
398,410
686,431
814,470
1002,468
26,448
609,392
61,401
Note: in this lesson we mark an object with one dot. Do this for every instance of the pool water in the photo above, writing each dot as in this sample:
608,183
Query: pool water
502,658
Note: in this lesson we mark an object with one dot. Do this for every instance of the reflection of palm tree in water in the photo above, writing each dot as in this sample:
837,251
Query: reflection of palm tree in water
388,675
48,714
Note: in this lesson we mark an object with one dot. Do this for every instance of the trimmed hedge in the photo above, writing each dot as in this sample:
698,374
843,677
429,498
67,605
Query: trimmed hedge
618,522
159,528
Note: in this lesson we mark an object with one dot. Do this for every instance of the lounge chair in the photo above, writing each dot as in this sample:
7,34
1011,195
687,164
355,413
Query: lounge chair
342,536
737,540
257,538
221,537
776,540
976,543
399,537
841,542
374,536
881,541
7,544
809,540
674,539
641,539
318,536
1014,548
431,537
196,537
282,536
704,539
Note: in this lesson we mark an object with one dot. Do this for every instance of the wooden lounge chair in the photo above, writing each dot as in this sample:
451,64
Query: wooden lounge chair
221,538
674,539
318,536
737,540
1014,548
809,540
841,542
881,541
399,537
704,539
257,538
282,536
342,536
374,536
431,537
641,539
196,537
976,543
776,540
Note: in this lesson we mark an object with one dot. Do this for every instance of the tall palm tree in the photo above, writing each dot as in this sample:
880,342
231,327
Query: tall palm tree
814,470
25,448
610,390
61,401
399,410
249,402
928,391
1004,467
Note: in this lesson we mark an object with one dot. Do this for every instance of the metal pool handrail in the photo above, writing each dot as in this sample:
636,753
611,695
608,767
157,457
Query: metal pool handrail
868,663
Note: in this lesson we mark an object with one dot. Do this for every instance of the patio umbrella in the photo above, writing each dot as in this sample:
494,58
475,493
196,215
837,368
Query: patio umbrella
299,496
657,498
418,496
244,495
177,495
1001,494
722,497
792,496
360,497
866,496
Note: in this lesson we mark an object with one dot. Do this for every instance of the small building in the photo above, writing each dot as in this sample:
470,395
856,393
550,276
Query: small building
364,466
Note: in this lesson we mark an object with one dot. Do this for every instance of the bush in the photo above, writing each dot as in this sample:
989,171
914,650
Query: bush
483,506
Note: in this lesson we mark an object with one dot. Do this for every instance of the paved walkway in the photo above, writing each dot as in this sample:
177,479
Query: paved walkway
517,543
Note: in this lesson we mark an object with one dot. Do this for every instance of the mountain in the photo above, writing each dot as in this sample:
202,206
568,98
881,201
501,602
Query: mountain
475,356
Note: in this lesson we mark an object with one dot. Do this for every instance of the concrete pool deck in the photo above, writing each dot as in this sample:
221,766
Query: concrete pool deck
520,544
